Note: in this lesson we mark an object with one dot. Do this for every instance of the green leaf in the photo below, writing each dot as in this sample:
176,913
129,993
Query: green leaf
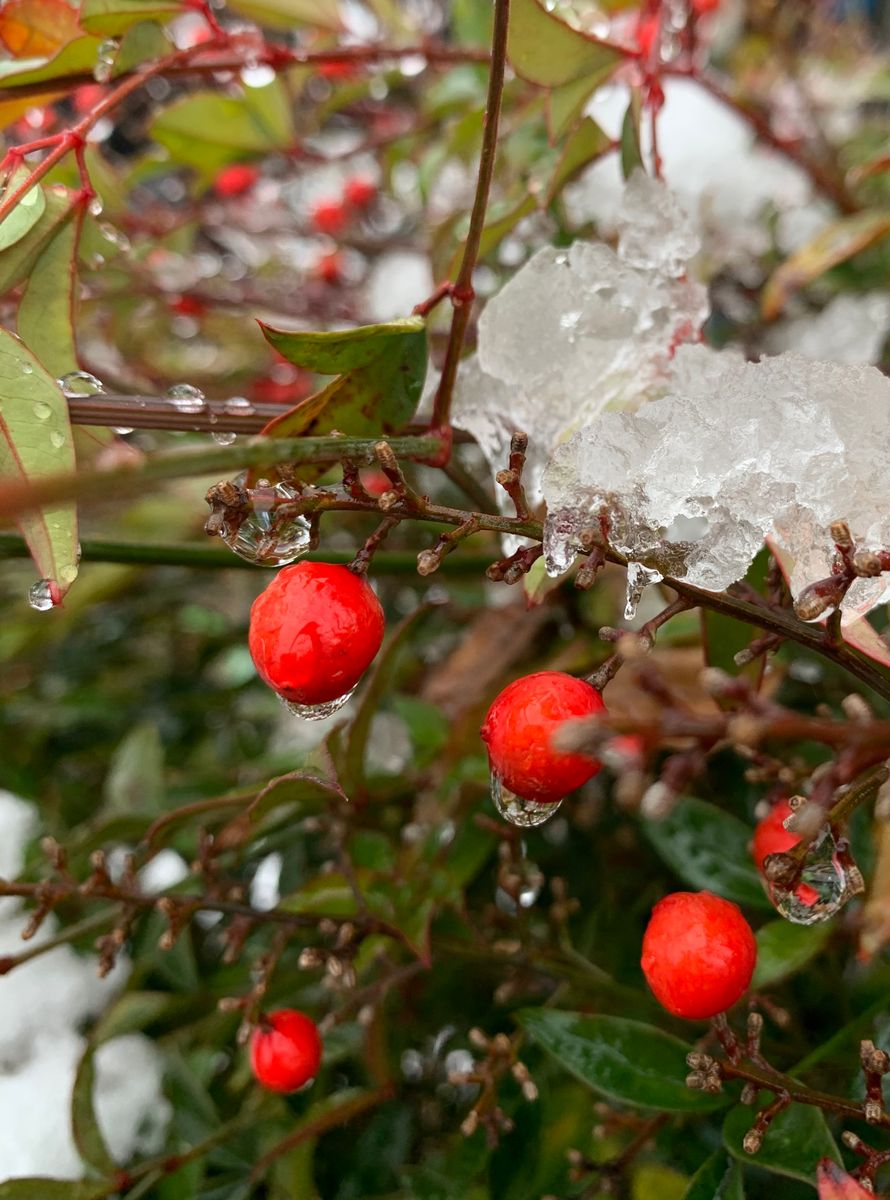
24,216
718,1178
84,1123
565,104
35,441
794,1143
783,948
544,50
206,130
145,42
342,350
75,58
586,144
46,312
39,1188
630,142
18,260
840,241
284,14
708,848
109,18
493,233
622,1060
135,777
309,791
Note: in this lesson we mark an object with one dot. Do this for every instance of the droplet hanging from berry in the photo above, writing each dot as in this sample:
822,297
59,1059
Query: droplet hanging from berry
517,809
318,712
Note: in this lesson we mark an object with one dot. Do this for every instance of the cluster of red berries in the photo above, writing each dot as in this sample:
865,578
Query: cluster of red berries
331,214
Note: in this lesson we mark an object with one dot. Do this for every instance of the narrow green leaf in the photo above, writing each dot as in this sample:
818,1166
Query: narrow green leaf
40,1188
542,49
708,848
284,14
84,1123
342,350
623,1060
586,144
46,311
794,1143
565,104
783,948
142,43
109,18
494,232
631,147
72,59
35,441
718,1178
24,216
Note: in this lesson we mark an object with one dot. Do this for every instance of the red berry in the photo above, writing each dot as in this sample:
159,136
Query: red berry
236,179
329,267
698,954
188,306
360,191
705,6
314,631
329,216
519,728
771,837
285,1050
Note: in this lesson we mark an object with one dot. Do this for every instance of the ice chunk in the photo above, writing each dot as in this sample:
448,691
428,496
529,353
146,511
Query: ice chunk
849,329
777,449
577,331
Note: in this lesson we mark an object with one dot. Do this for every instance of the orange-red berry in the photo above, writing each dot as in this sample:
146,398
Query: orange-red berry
360,191
519,729
699,954
329,267
236,179
285,1050
314,631
329,216
771,837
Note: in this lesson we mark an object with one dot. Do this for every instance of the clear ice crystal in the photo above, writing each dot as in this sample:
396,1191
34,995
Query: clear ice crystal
730,454
849,329
577,331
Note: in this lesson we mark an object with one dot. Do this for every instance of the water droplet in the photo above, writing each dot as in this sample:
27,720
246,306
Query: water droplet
517,809
116,236
239,405
95,206
57,440
266,536
225,437
42,411
317,712
27,369
105,56
821,889
638,579
80,383
40,594
186,398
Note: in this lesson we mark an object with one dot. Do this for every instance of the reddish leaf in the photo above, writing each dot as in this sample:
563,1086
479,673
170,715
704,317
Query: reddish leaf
835,1184
37,28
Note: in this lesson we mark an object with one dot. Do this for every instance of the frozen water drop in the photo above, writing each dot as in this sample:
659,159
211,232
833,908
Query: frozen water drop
318,712
820,891
638,579
186,398
80,383
224,437
264,535
519,811
40,595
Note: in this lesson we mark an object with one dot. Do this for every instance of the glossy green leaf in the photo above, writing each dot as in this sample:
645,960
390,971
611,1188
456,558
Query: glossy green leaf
73,59
23,217
783,948
586,145
284,14
621,1059
109,18
142,43
46,311
840,241
342,350
794,1143
40,1188
630,142
84,1124
542,49
36,441
718,1178
18,260
708,848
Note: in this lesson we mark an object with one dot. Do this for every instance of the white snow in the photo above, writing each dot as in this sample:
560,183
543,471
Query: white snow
398,280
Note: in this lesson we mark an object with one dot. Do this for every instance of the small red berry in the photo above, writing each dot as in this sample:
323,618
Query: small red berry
329,216
235,180
360,191
329,267
705,6
771,837
698,954
285,1050
188,306
314,631
519,728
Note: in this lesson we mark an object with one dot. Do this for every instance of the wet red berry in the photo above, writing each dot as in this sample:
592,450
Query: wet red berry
235,180
329,216
314,631
360,191
285,1050
771,837
519,728
329,267
698,954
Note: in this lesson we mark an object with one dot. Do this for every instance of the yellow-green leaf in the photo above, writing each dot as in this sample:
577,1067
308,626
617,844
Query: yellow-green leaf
73,59
284,14
46,310
24,216
586,144
544,50
109,18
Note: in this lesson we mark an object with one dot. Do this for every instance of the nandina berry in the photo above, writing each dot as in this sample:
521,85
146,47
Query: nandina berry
314,631
329,216
698,954
771,837
285,1050
235,179
188,306
329,267
519,728
360,191
705,6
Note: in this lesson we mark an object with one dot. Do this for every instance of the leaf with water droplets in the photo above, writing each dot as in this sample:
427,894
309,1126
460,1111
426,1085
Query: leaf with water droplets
19,256
36,441
112,17
24,215
46,312
542,49
284,14
73,58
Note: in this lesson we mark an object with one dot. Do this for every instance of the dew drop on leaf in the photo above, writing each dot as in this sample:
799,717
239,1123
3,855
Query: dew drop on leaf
517,810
